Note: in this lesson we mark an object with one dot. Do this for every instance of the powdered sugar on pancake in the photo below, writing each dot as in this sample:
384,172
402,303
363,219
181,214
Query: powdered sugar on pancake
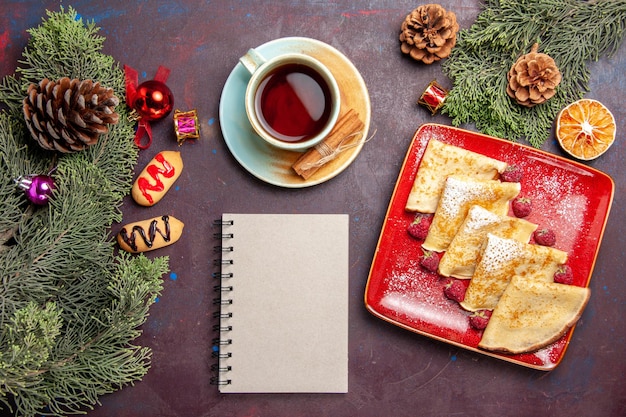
499,252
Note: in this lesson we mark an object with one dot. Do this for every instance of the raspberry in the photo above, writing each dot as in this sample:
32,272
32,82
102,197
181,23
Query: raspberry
479,319
564,275
418,229
522,206
455,290
429,260
545,237
512,173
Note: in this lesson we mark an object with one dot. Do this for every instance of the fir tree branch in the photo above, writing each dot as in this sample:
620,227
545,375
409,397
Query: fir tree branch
70,307
572,32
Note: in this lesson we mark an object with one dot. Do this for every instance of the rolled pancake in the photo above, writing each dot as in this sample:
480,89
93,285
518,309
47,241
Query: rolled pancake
532,314
499,261
441,160
459,194
459,261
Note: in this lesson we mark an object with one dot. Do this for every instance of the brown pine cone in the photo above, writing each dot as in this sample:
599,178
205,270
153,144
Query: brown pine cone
533,78
69,115
428,33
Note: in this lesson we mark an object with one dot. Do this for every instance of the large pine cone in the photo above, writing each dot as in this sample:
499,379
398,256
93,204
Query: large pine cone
69,115
428,33
533,78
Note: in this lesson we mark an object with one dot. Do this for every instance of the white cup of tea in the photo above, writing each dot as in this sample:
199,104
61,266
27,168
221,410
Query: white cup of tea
292,100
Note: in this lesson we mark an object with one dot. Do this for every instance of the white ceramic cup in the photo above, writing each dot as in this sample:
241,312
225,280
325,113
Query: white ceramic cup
260,70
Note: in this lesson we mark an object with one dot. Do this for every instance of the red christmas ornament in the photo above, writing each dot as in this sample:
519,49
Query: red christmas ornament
37,188
433,97
153,100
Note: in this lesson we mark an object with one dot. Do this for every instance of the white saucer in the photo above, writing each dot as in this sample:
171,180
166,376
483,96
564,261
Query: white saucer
273,165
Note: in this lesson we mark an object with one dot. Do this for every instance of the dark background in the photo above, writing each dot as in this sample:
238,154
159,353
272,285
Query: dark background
393,372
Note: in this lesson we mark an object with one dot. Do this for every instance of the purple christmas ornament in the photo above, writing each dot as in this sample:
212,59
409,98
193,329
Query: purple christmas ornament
37,188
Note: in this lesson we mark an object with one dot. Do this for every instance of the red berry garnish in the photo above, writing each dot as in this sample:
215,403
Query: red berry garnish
545,237
522,206
429,260
564,275
512,173
455,290
418,229
479,319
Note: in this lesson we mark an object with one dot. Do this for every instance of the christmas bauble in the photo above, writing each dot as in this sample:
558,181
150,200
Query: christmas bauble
37,188
153,100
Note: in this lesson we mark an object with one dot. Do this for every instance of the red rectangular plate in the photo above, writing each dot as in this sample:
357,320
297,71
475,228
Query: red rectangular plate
569,197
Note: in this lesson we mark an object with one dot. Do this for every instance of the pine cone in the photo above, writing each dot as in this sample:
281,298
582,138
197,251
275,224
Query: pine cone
428,33
533,78
69,115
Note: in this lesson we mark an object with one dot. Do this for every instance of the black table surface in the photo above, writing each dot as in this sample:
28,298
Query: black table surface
392,372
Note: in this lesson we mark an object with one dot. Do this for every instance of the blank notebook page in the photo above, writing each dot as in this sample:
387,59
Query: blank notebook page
288,318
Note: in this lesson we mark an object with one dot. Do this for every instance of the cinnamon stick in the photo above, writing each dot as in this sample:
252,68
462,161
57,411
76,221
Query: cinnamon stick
348,126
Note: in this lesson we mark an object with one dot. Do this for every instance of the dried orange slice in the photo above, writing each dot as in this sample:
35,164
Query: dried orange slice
585,129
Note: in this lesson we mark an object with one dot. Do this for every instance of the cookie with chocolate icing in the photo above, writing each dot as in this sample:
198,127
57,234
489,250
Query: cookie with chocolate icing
150,234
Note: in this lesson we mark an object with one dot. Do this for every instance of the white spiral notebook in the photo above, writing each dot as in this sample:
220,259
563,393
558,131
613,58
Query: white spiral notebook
284,303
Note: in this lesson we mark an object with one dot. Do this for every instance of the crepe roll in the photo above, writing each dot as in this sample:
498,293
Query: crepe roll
440,160
460,193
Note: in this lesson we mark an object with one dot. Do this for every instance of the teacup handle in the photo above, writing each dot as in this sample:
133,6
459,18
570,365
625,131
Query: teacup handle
252,60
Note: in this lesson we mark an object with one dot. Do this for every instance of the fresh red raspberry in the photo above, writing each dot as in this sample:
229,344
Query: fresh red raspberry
455,290
429,260
479,319
545,237
418,229
522,206
512,173
564,275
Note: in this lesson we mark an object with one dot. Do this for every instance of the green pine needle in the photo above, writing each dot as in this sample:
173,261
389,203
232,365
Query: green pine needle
70,307
572,32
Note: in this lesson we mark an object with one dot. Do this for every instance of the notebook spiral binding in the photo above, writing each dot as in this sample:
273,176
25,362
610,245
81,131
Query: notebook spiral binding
221,299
